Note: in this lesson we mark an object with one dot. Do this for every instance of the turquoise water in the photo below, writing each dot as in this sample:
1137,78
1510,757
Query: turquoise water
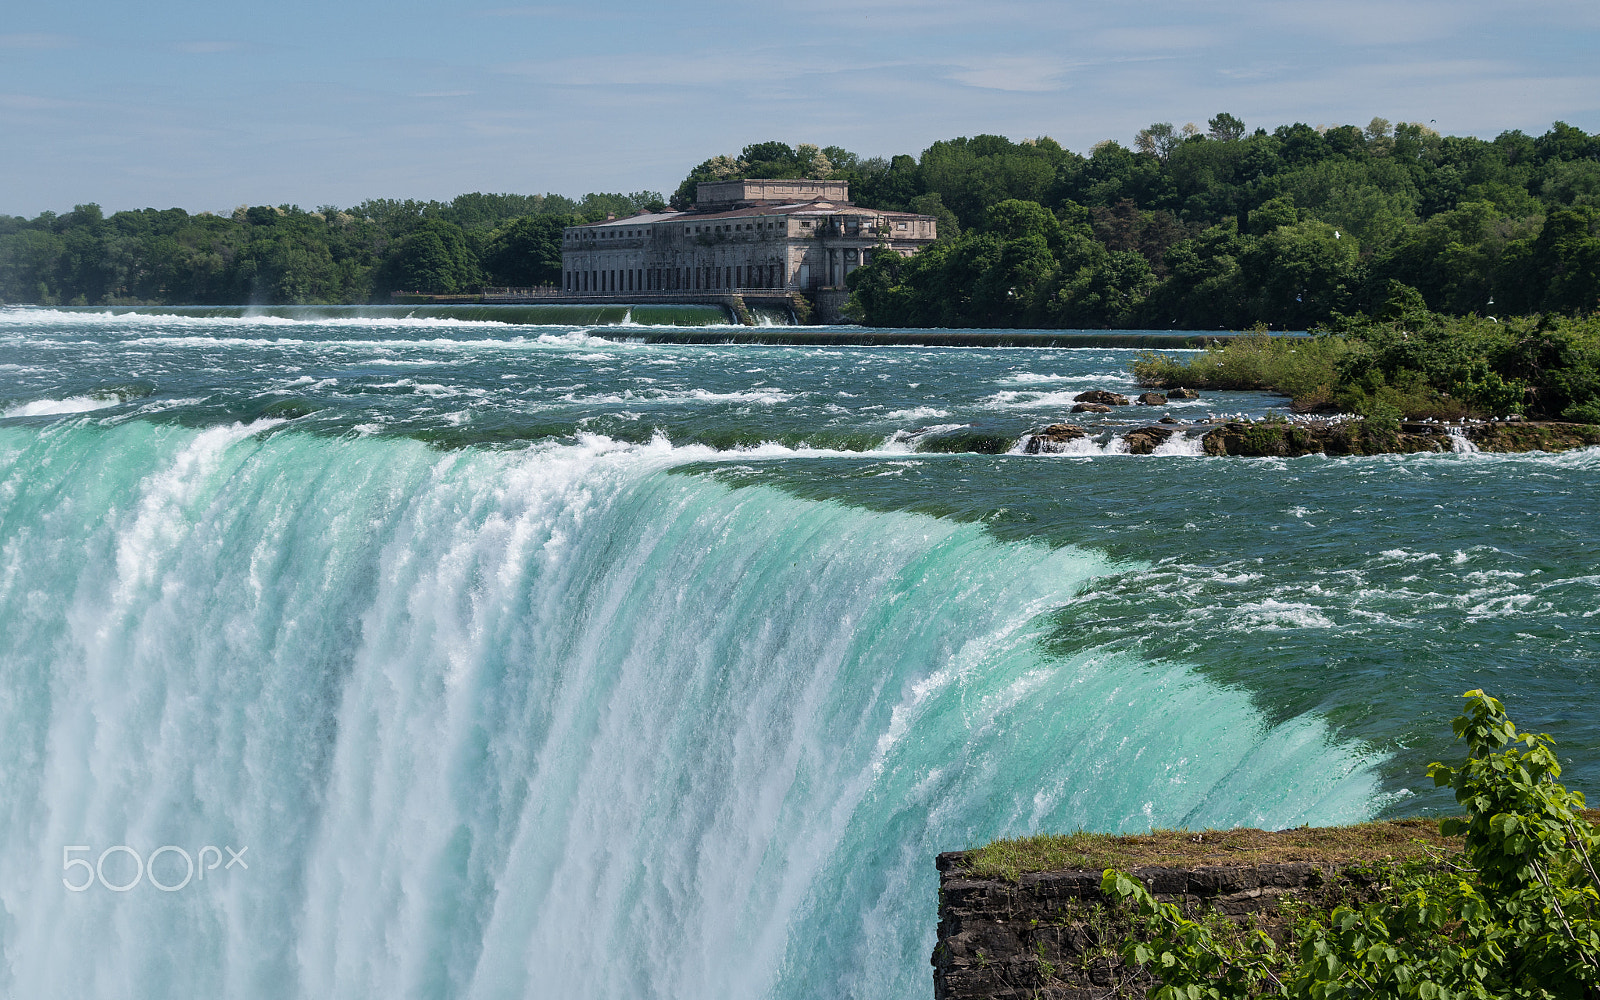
526,664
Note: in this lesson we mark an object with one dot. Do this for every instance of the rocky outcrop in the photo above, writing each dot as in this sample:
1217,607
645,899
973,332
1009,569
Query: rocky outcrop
1101,396
1147,439
1182,393
1091,408
1151,399
1280,439
1531,436
1053,438
967,440
1053,935
1363,437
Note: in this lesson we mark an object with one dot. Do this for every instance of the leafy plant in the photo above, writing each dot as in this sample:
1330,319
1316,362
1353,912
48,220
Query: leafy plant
1514,914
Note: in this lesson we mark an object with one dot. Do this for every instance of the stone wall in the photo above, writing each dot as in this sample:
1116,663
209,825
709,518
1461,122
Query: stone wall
1052,935
830,305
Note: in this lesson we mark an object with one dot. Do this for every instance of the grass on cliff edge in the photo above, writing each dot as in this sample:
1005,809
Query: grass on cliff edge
1399,839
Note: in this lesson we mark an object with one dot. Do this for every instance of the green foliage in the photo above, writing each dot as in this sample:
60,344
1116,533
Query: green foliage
1292,228
1514,914
1198,230
1020,267
283,254
1304,368
1409,362
526,251
435,259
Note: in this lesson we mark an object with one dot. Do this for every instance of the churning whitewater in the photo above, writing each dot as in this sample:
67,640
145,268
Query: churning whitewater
444,656
559,721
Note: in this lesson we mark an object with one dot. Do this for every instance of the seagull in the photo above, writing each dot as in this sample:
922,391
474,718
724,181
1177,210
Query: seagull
1336,234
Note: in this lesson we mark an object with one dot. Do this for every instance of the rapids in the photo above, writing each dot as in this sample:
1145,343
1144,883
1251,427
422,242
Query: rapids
521,664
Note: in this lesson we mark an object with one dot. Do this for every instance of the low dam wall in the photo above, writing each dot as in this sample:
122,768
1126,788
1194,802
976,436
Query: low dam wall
796,336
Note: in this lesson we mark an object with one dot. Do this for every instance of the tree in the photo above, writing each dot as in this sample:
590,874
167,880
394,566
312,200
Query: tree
1157,140
1226,128
527,251
434,259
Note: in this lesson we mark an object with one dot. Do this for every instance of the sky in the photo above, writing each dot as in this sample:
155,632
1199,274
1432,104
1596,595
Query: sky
209,105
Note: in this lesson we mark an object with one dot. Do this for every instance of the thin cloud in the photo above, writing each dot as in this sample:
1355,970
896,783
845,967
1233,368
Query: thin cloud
205,48
1370,22
653,69
1019,74
548,11
37,41
30,102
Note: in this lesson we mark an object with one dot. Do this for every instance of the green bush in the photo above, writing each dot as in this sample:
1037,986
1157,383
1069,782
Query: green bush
1515,914
1409,364
1305,368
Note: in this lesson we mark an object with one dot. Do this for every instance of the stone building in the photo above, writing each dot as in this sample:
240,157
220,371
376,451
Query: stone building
797,235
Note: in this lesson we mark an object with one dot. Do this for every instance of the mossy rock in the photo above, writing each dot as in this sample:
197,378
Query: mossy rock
1542,436
1286,440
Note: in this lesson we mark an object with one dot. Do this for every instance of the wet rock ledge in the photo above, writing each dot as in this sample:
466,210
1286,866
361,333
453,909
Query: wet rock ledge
1052,935
1024,918
1285,439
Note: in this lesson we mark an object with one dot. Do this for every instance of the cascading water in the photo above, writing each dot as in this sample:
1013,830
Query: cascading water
1460,443
553,722
412,656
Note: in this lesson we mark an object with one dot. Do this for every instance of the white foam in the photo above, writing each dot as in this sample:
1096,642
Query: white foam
1181,444
918,413
53,407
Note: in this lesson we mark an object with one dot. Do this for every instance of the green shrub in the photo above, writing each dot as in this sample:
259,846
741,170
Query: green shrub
1411,365
1515,914
1300,367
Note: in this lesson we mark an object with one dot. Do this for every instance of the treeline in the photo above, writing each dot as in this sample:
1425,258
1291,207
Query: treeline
1223,229
1189,228
284,254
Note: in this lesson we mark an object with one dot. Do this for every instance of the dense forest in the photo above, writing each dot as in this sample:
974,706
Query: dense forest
1194,228
285,255
1223,229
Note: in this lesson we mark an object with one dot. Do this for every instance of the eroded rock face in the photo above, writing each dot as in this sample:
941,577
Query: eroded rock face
1101,396
1146,439
1182,393
1286,440
1530,435
1151,399
1052,934
1091,408
1053,438
1359,437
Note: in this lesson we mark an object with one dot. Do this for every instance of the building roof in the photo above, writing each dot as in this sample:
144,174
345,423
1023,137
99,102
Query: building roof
808,208
755,190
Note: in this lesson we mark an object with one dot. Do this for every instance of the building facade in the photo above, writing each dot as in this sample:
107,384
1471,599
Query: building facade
794,235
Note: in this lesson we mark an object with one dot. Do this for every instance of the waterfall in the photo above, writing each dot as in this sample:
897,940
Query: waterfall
560,722
1459,442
